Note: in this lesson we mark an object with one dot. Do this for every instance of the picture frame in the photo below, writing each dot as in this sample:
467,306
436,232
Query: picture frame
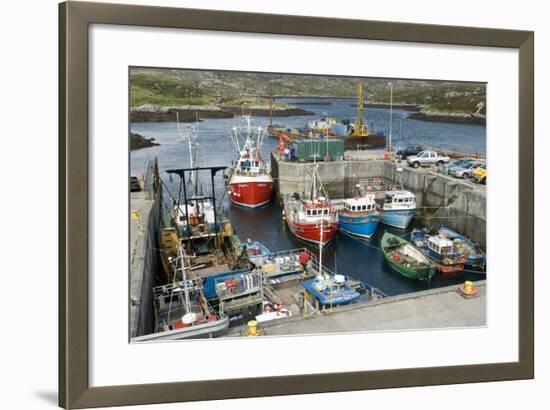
74,360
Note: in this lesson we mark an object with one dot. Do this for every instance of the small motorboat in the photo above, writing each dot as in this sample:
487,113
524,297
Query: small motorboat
449,255
419,238
256,251
476,257
406,258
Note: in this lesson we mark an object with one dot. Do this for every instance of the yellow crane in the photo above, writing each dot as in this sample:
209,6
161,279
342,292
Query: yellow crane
360,128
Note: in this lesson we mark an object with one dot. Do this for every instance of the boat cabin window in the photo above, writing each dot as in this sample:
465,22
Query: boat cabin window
326,212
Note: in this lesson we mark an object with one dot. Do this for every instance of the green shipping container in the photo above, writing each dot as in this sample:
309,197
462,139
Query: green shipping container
318,149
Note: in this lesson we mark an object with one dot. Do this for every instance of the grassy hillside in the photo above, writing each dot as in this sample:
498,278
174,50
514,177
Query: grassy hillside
442,97
183,87
156,89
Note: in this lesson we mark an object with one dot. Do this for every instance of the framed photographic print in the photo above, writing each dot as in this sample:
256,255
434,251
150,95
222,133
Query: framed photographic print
257,204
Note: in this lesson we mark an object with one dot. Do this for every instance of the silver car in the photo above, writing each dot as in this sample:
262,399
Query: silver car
464,169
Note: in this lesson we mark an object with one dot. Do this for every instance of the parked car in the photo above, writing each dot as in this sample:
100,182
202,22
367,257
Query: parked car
134,184
427,158
480,174
464,170
404,153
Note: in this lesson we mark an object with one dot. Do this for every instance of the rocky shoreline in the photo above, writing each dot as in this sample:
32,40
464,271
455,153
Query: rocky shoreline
320,103
458,118
138,141
190,113
405,107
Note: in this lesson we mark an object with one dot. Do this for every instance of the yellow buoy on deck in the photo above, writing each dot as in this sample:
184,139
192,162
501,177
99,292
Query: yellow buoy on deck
253,329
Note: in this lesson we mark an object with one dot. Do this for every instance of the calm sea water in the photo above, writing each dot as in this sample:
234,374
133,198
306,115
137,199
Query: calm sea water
359,258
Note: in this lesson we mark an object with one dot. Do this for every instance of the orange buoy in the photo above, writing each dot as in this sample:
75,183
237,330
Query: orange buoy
467,289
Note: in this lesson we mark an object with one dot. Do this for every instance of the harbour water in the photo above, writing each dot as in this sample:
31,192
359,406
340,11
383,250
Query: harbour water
360,259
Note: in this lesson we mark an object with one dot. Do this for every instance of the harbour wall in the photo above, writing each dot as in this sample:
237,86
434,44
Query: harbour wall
441,200
145,210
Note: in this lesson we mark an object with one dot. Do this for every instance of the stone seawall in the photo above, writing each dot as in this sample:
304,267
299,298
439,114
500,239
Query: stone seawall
441,200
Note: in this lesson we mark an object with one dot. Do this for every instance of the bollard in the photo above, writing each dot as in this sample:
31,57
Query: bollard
467,289
253,329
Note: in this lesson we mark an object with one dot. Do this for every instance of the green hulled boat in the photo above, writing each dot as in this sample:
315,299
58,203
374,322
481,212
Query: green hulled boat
406,258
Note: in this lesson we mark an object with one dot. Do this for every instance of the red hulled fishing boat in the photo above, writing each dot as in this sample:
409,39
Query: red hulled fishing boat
312,219
250,183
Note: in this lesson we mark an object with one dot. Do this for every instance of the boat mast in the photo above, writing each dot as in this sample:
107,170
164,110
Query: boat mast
185,285
194,134
187,300
321,250
270,111
193,154
391,107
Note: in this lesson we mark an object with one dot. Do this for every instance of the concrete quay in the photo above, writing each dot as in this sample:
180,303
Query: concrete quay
144,225
430,309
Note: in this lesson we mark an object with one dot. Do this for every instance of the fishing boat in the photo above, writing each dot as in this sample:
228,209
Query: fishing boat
476,257
327,288
398,209
250,183
331,290
312,219
359,216
449,255
206,235
256,251
181,310
406,258
419,238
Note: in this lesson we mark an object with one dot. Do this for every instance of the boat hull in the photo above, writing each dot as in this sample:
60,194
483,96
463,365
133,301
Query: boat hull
447,265
397,218
311,232
410,273
424,273
450,268
473,261
364,226
251,192
207,330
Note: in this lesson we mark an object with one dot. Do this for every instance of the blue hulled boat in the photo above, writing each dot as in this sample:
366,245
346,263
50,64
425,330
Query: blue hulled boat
399,209
331,290
476,257
359,216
